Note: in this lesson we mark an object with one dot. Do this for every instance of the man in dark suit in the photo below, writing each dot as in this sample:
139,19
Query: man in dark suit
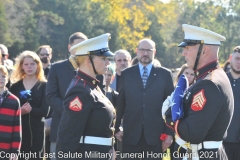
143,88
59,78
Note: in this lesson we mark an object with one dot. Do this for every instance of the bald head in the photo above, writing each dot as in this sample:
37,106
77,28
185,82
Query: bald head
146,51
151,42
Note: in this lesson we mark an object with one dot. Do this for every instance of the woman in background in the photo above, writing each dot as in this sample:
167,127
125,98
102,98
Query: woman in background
188,72
29,86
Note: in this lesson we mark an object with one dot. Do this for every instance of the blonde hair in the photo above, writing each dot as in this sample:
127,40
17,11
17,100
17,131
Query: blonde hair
18,72
77,60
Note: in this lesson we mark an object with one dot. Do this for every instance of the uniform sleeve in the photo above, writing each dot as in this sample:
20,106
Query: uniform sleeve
43,110
17,130
77,106
52,92
205,106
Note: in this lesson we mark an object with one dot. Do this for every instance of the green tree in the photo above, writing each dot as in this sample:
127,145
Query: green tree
5,37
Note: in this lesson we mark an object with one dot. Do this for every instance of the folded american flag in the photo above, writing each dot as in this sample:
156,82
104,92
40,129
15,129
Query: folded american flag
177,99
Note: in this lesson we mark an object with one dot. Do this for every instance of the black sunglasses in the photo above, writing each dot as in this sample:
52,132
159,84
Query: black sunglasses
44,54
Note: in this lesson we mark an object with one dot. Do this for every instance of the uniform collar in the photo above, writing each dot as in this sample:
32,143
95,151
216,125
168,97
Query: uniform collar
90,80
203,71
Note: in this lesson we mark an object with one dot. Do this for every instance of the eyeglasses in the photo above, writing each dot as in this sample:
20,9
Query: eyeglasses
149,51
44,54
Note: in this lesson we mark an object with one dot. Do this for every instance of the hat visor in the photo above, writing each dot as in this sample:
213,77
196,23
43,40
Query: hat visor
104,54
182,44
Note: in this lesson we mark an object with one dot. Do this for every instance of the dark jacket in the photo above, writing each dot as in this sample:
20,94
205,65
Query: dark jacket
112,96
233,132
59,78
87,112
142,107
32,122
208,109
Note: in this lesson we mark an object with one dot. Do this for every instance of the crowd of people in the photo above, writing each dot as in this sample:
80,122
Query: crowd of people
99,104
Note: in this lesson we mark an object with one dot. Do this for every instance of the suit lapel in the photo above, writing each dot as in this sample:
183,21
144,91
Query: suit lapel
137,77
152,76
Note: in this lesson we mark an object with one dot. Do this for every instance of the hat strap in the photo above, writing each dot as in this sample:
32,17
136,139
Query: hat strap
90,57
198,56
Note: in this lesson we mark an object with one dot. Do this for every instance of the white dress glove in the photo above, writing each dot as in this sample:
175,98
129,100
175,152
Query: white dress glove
166,104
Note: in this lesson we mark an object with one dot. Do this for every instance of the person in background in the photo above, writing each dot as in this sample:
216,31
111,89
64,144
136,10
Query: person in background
87,123
122,59
227,66
10,119
59,77
29,85
188,72
143,89
134,61
45,54
6,62
5,55
232,142
110,93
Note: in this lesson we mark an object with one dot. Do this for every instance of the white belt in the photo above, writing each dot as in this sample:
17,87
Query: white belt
196,147
97,140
